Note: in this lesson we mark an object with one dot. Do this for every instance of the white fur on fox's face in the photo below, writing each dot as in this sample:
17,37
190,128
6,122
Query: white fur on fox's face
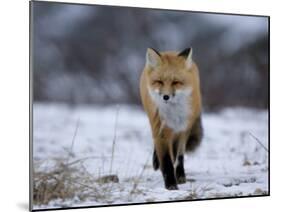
175,111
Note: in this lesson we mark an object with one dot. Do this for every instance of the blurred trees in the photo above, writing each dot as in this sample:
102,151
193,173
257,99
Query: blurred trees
95,54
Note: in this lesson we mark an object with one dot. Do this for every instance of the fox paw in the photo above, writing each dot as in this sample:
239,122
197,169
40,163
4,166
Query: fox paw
181,180
172,187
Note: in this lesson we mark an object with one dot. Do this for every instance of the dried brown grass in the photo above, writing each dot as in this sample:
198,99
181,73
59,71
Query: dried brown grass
68,178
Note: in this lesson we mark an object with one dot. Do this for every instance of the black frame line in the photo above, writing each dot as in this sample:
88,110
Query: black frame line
31,108
175,10
149,203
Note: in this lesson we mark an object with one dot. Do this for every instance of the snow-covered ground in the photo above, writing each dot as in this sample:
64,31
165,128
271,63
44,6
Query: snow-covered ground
230,161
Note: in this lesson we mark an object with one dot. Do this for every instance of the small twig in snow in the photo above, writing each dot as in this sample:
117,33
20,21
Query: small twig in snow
135,185
114,139
74,136
257,140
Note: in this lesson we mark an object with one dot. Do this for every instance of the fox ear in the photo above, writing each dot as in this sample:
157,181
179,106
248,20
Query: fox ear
187,54
153,57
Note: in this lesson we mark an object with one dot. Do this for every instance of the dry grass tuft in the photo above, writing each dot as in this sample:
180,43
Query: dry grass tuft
62,181
69,178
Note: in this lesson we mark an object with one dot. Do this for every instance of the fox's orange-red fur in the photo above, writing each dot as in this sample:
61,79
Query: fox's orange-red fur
174,75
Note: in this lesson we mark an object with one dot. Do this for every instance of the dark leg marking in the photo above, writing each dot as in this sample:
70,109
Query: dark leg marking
168,173
155,161
180,175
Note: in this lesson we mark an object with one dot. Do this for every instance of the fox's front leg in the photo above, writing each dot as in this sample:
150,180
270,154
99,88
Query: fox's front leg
179,148
180,174
166,164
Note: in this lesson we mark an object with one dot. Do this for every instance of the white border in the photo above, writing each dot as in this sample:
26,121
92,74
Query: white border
14,117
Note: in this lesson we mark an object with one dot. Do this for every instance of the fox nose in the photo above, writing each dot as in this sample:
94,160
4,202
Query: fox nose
166,97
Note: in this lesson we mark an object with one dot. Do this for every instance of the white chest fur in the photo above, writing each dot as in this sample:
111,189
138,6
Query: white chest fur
176,111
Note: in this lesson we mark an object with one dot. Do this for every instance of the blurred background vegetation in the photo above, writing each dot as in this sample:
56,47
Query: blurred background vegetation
86,54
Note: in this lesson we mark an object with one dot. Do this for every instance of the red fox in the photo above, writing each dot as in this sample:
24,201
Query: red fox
171,97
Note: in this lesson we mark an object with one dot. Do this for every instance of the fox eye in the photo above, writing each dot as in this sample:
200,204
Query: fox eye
157,82
177,83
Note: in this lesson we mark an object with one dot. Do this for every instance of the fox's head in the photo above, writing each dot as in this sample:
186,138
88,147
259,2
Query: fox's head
170,74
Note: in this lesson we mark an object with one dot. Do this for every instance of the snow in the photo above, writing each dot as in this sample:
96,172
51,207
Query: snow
229,163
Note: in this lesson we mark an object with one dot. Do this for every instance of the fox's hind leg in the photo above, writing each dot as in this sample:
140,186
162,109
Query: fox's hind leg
195,137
